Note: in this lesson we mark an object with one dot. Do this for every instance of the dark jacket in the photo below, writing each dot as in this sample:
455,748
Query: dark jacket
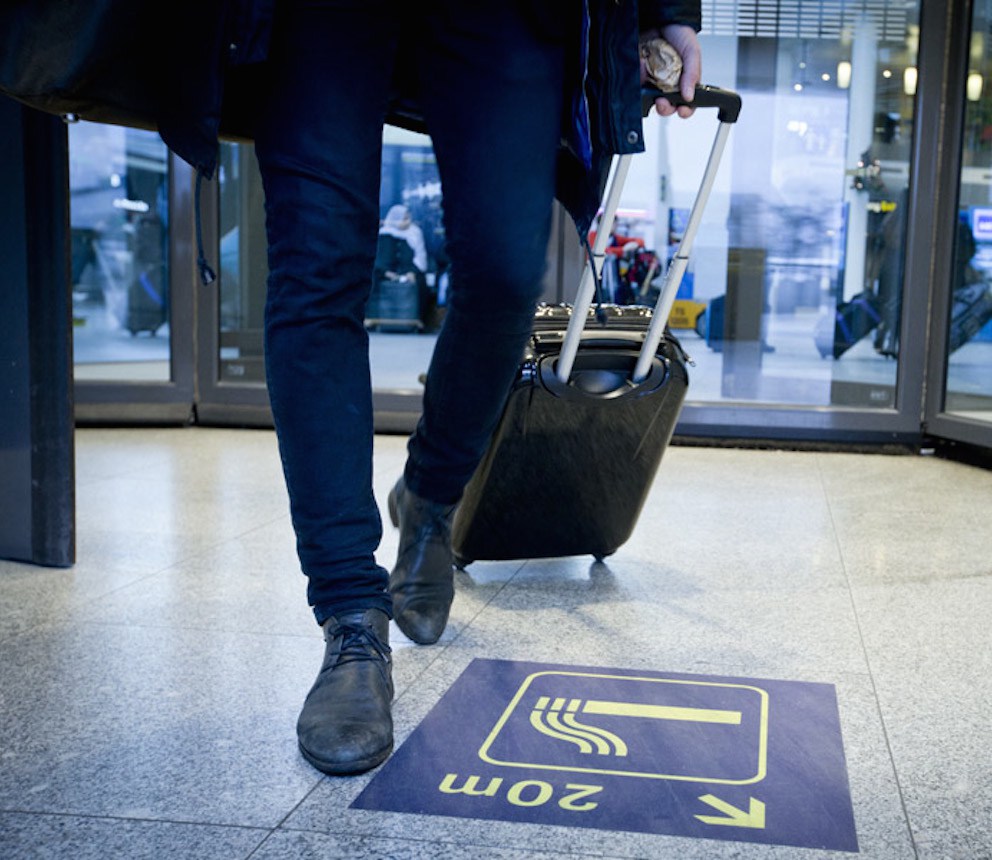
605,117
196,84
612,93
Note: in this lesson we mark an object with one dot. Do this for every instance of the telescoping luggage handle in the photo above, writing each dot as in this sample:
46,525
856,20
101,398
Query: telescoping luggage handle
728,104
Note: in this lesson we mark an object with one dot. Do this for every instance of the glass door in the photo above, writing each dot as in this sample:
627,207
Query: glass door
119,214
403,316
961,408
128,282
794,305
796,302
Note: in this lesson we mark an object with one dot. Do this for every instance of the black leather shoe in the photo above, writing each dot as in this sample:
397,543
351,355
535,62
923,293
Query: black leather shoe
346,725
423,581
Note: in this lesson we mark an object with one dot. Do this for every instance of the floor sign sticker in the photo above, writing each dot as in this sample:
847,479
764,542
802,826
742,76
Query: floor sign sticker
617,749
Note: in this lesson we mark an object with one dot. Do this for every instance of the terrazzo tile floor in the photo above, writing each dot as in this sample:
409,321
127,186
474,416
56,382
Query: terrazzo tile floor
148,695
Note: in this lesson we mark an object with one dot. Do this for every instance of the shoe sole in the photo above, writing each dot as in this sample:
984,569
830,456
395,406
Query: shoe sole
346,768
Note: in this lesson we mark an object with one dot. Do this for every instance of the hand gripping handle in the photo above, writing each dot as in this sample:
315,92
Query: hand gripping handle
727,101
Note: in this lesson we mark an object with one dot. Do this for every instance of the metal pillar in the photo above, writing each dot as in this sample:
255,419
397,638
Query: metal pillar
37,484
860,134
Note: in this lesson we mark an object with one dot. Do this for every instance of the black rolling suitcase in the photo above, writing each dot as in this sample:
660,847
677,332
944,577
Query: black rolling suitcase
591,412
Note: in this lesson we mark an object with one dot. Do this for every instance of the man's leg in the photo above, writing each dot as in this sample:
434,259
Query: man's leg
318,148
492,77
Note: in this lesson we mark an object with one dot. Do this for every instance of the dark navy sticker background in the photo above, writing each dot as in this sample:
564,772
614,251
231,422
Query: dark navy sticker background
632,750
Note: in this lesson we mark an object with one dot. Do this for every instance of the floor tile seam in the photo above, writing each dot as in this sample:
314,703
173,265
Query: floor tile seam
911,830
868,663
82,606
126,819
930,581
92,480
203,553
472,842
113,590
488,602
29,630
407,690
143,477
190,628
745,671
711,590
256,527
441,652
151,477
67,622
262,843
284,517
280,825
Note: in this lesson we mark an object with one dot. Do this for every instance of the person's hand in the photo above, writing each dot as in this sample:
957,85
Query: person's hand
683,39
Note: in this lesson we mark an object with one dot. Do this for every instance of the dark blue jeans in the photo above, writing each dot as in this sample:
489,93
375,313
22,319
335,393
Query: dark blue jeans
490,76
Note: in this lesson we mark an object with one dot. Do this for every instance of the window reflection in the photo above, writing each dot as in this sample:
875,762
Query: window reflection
410,288
794,295
119,219
411,239
243,265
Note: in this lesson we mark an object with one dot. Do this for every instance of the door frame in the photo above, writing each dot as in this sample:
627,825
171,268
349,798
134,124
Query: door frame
936,421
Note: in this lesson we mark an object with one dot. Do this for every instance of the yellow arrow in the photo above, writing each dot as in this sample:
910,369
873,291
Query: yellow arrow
754,817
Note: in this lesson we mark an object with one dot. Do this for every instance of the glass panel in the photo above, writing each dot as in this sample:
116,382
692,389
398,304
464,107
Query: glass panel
404,312
407,306
794,293
795,290
243,266
969,343
119,182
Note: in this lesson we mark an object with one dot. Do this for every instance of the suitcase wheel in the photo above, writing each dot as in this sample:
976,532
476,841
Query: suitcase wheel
462,563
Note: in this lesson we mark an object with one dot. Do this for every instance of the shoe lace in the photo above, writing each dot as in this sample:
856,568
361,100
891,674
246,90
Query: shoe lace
360,642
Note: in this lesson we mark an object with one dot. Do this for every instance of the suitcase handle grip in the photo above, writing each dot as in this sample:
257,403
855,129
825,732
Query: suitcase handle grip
727,101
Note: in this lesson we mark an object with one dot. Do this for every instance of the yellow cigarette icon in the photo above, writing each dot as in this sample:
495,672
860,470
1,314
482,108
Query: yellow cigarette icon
662,712
557,719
